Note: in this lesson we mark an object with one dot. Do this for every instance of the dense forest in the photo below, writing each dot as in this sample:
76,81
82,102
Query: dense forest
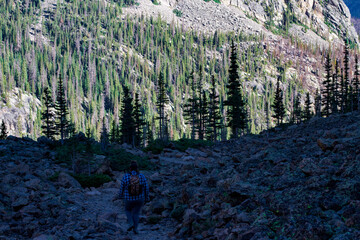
97,52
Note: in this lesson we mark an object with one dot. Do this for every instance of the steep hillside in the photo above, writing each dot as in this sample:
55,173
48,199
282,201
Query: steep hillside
298,183
329,20
96,47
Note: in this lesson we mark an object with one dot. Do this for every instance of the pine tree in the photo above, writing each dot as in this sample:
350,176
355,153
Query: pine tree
162,100
3,131
61,111
114,132
318,103
342,94
139,121
307,112
104,136
149,133
278,105
347,102
356,85
127,118
236,105
327,90
48,116
335,89
297,109
214,113
202,108
191,107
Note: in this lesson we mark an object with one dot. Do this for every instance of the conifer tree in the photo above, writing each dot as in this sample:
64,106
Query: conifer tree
191,107
214,113
347,102
307,111
149,133
335,89
278,105
297,109
127,118
202,108
3,131
318,103
48,116
236,105
342,94
104,136
114,132
162,100
139,121
61,111
356,85
327,90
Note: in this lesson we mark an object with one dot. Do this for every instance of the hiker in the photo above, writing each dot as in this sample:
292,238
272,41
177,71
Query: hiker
135,192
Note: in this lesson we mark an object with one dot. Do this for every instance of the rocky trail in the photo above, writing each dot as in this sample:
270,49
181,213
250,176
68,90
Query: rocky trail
302,182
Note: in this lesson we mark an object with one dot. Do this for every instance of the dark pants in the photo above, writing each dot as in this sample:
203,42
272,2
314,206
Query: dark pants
132,210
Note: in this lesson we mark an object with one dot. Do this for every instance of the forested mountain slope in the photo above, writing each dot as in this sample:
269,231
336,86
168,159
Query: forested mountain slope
98,46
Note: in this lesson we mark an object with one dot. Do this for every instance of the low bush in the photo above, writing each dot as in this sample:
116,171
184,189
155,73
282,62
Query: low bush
120,160
95,180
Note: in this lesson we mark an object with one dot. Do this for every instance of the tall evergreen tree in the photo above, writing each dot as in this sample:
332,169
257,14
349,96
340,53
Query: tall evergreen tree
297,109
3,131
347,98
214,123
327,88
48,116
356,85
343,94
235,103
278,104
162,100
201,103
318,103
61,111
104,136
335,89
114,137
127,118
307,111
139,121
191,107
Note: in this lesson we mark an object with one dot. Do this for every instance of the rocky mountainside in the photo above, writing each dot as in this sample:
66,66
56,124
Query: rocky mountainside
296,183
329,20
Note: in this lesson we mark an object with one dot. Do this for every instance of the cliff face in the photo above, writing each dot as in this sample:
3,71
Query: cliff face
19,111
329,21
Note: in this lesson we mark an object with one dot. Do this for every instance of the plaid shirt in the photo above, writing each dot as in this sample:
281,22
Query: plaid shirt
124,192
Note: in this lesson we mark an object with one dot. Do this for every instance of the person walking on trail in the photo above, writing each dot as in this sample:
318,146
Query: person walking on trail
135,192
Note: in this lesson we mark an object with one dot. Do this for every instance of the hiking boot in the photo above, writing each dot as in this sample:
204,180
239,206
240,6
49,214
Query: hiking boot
130,228
136,231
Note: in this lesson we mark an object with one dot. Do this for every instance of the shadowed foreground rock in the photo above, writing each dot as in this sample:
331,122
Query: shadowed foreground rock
299,183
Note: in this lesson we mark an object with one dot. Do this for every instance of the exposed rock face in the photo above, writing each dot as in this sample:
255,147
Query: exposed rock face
19,111
330,21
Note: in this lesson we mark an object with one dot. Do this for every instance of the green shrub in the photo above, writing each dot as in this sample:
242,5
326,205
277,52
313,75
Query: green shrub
157,146
177,12
120,160
185,143
95,180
